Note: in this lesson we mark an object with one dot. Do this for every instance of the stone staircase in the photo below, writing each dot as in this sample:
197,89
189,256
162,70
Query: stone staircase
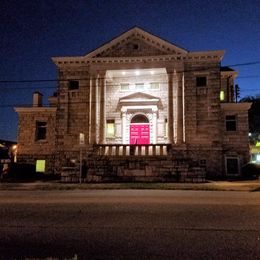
138,163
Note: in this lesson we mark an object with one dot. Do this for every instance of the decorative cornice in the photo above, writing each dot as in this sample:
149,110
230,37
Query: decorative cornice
189,57
35,109
236,106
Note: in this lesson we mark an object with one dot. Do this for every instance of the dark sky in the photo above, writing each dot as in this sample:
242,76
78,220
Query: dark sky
31,32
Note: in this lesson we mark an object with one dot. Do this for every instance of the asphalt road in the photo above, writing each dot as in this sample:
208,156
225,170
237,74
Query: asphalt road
129,224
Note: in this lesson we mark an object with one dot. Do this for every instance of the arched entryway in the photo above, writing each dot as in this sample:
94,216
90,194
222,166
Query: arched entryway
139,130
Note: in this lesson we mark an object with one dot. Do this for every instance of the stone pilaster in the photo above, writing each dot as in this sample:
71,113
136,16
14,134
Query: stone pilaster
170,106
178,78
93,111
102,122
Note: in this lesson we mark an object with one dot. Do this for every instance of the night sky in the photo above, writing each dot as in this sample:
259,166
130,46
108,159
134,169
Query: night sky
31,32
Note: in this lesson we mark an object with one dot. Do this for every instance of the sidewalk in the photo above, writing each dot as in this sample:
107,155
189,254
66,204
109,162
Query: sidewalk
252,185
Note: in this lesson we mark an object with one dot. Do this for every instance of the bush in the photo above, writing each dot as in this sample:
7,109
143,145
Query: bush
251,170
22,171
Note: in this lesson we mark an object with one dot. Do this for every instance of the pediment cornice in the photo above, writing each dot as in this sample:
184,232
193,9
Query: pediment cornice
189,57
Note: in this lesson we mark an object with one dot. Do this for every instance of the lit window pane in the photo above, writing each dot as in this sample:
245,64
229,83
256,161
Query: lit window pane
124,86
222,95
110,128
154,85
40,166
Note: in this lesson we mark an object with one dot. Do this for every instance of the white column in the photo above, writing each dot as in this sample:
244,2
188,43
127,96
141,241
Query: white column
154,139
183,109
178,78
123,110
170,106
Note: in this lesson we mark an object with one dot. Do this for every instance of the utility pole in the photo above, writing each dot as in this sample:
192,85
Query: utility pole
81,145
237,92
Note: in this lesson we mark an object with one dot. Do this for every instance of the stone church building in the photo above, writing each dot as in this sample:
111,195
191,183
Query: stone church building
139,108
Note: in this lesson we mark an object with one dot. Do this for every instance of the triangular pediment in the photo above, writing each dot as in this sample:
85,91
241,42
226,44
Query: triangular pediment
138,96
136,42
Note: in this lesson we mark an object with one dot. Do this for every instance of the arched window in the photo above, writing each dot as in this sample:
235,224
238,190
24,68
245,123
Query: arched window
139,119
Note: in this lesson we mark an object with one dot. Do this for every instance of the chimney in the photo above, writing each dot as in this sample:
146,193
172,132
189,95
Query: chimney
37,99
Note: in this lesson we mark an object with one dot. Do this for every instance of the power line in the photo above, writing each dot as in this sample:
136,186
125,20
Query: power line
88,78
107,84
47,106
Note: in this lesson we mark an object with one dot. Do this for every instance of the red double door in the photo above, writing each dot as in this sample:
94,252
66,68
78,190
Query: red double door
139,133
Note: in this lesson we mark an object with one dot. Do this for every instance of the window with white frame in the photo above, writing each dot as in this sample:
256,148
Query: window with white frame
165,127
110,133
125,86
154,85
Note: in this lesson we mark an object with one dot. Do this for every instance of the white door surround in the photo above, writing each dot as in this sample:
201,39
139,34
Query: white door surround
128,112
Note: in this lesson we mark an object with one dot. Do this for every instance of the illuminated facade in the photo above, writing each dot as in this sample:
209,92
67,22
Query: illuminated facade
147,109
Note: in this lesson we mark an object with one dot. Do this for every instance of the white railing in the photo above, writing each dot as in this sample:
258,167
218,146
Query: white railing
131,150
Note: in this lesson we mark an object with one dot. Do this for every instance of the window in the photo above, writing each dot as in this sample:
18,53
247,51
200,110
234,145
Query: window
231,123
232,165
40,130
166,127
73,85
110,128
139,85
40,166
201,81
135,46
222,95
154,85
124,86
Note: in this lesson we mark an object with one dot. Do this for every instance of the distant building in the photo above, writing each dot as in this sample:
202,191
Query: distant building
146,109
7,151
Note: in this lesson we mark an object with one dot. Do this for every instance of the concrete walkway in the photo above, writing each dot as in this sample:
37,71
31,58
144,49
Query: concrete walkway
252,185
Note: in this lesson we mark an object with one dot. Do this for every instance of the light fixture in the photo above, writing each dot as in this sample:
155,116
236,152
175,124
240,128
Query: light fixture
123,72
137,72
152,72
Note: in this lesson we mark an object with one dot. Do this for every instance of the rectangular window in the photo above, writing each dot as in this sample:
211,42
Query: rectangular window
166,127
232,166
231,123
41,130
73,85
139,86
203,162
124,86
154,85
201,81
111,128
40,166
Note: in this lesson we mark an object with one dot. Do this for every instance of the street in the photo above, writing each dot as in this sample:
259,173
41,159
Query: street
129,224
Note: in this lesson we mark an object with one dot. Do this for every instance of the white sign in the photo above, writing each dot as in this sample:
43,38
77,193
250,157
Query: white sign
81,139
